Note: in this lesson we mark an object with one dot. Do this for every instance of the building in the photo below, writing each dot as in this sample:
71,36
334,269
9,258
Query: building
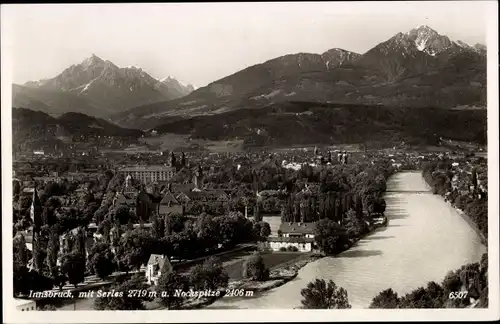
25,305
156,264
203,196
149,173
290,229
278,243
187,194
299,235
169,204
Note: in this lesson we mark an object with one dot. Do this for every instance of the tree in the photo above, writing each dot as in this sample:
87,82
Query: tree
265,229
21,252
116,182
101,260
330,236
134,248
52,189
430,297
168,284
121,215
52,252
321,295
474,179
39,253
16,188
385,299
354,225
29,280
254,268
210,275
158,227
207,231
80,241
175,223
379,206
58,277
104,228
125,300
256,229
73,266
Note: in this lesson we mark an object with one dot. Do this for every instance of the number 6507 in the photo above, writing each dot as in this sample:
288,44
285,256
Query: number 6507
457,295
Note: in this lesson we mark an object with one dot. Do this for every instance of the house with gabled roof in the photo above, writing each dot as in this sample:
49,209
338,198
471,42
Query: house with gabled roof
298,235
169,204
155,267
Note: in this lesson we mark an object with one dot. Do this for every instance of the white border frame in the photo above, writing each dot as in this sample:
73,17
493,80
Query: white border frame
214,316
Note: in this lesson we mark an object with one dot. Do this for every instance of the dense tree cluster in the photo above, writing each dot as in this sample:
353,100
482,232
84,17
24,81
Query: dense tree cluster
57,223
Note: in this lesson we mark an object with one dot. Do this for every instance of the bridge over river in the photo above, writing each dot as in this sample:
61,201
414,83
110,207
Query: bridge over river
424,239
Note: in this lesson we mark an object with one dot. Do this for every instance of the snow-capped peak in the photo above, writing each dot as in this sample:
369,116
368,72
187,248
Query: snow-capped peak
168,78
92,60
133,67
423,27
428,40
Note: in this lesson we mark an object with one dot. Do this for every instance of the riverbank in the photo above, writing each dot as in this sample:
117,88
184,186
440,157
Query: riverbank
471,223
386,257
464,216
278,276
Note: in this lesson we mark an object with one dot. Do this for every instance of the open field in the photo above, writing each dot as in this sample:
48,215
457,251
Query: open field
179,141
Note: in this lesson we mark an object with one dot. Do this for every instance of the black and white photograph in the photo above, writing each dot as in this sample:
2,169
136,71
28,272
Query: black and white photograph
202,159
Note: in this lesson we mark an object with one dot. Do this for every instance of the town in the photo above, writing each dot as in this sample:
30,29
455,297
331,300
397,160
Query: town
205,220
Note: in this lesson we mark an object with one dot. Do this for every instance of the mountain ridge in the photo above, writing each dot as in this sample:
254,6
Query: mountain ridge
400,70
32,129
101,84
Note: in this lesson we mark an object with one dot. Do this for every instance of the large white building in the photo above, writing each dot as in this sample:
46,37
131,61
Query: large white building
149,173
298,235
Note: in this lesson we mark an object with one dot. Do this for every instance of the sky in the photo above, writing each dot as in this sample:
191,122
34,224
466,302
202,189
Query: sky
200,43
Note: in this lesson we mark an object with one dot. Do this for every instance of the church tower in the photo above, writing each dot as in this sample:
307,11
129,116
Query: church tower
198,178
183,160
173,160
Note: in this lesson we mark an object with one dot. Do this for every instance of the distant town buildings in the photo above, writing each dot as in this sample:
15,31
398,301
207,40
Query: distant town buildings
149,173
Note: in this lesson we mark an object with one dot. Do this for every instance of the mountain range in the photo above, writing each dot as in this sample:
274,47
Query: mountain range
417,68
96,87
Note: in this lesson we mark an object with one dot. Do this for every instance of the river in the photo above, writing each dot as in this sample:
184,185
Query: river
425,238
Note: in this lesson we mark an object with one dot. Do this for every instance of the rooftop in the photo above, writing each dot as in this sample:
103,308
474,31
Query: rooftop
168,199
302,228
146,168
290,239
